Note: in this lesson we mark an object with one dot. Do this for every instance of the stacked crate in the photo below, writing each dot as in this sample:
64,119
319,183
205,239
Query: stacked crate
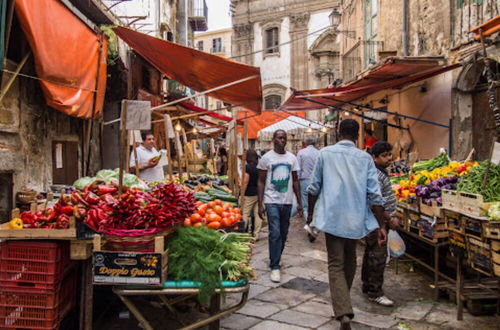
37,284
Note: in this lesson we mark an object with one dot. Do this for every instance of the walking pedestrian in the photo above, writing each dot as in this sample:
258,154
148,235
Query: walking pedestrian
278,181
250,199
345,187
374,259
307,158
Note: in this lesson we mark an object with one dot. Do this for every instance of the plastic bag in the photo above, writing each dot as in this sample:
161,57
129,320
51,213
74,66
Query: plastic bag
395,245
294,207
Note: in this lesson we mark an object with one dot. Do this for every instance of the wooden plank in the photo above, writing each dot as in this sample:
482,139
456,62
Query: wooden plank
80,249
28,233
169,154
123,141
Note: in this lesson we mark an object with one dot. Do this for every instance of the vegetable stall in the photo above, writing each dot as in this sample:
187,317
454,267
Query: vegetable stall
451,208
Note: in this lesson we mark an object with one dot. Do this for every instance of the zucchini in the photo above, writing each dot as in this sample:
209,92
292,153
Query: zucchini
217,192
224,197
216,186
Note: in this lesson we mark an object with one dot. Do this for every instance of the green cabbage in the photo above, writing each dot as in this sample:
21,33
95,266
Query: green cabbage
494,212
107,175
82,182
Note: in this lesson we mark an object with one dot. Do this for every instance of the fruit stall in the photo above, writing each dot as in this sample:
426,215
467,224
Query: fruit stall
449,213
157,239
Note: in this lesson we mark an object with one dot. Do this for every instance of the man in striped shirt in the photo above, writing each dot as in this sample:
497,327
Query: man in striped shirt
372,271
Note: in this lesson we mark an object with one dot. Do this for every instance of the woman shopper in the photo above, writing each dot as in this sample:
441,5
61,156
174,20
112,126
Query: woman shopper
250,200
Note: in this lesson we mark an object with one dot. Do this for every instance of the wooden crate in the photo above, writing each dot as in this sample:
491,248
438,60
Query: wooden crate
80,249
453,221
479,255
458,243
495,251
431,210
492,230
413,218
474,225
31,233
471,203
402,216
432,228
451,200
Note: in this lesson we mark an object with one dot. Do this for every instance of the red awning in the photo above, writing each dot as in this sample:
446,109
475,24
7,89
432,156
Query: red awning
393,73
67,58
265,119
198,70
215,115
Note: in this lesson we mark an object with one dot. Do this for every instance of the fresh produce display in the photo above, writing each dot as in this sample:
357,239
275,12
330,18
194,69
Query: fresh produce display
441,160
164,207
56,217
209,257
406,189
472,182
214,214
432,191
111,176
100,206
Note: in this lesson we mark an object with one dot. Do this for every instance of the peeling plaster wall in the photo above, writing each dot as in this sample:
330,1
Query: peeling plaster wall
30,133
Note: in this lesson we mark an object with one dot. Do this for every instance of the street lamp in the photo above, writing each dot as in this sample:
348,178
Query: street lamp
334,18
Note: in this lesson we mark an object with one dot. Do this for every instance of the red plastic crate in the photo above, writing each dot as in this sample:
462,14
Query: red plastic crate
38,309
33,264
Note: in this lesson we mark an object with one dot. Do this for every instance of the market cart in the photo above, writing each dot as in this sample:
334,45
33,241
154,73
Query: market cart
184,290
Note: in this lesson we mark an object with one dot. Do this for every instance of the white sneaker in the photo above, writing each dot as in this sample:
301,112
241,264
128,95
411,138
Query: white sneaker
382,300
275,275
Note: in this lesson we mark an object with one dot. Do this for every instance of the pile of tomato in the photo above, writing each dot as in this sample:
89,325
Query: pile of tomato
215,215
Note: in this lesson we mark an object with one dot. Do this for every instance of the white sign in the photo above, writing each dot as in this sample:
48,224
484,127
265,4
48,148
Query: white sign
134,136
59,160
138,114
178,144
239,142
495,157
169,126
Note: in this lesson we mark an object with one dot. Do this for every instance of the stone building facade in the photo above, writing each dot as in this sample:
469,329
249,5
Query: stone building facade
292,43
376,29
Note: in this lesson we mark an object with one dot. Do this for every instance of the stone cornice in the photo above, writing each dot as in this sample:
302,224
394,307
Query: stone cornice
267,13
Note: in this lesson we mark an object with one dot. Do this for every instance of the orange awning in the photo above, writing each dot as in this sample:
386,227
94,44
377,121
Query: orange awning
66,53
265,119
198,70
393,73
488,28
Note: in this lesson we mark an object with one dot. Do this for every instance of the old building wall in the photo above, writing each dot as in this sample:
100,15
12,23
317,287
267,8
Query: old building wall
33,127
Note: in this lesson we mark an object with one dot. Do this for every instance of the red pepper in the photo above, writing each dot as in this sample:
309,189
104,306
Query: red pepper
76,198
106,189
62,221
50,214
28,217
67,210
91,198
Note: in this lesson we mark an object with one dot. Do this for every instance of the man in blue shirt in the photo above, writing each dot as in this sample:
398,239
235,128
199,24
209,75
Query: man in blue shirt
307,158
344,196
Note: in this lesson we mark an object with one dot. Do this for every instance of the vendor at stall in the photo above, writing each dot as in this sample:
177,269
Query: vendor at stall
147,159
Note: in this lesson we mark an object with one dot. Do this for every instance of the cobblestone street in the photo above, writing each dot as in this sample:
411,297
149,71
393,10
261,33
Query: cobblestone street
302,299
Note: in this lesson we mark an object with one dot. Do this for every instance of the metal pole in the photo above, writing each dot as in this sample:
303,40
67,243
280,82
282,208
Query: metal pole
204,92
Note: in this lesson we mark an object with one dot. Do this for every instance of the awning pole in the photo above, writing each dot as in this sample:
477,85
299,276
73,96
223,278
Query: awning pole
14,76
204,92
388,112
356,114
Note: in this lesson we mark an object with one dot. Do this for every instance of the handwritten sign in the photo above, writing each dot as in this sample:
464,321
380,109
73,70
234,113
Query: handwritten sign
138,114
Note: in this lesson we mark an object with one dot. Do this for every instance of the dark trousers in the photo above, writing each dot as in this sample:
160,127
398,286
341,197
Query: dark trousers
341,269
372,271
278,218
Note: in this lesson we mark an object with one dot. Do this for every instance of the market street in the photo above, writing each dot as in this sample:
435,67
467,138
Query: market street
302,299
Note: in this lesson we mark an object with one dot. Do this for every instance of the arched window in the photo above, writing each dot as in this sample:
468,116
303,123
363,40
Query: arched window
272,102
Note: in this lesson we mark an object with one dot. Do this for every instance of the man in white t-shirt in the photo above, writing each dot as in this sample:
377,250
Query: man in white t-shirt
278,182
147,159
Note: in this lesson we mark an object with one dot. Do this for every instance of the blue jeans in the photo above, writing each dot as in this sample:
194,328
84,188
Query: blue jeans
278,218
304,183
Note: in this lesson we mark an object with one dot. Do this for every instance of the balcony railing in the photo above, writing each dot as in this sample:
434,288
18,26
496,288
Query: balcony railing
198,15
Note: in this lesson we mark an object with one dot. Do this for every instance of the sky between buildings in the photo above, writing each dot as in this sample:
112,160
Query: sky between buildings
218,14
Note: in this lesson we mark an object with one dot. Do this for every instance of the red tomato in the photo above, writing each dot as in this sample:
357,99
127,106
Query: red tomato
226,222
214,225
187,222
225,214
211,204
218,202
195,217
228,206
232,219
218,209
198,224
237,211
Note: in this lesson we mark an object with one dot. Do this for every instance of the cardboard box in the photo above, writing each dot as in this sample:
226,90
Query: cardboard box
126,267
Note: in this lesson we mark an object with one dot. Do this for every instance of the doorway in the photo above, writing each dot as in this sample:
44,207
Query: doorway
64,162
